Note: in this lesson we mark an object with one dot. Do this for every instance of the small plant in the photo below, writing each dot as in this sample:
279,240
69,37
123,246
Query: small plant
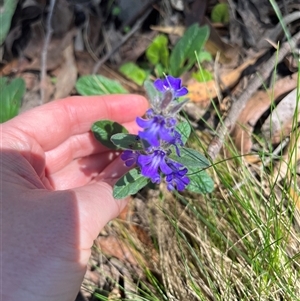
11,96
184,55
158,151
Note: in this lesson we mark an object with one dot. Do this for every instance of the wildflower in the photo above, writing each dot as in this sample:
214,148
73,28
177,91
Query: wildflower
155,129
170,83
160,137
153,164
129,157
176,141
177,179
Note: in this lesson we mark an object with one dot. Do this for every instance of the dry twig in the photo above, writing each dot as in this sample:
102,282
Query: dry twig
227,125
49,32
136,27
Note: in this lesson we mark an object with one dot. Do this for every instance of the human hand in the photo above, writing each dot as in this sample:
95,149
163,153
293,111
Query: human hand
57,193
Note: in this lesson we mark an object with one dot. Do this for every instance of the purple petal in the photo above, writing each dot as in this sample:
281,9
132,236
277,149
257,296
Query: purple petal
127,154
165,134
151,136
144,123
159,85
181,92
165,168
129,157
174,83
144,159
182,183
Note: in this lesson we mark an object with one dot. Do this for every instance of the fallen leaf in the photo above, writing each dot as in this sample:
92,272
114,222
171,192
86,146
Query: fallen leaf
15,66
32,98
55,49
242,132
177,30
257,105
112,246
31,81
84,62
279,123
204,91
67,76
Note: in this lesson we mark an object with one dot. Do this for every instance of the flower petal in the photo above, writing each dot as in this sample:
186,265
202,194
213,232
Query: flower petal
173,83
181,91
159,85
144,123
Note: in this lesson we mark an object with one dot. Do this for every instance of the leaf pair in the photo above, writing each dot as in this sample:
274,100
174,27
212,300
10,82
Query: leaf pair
185,52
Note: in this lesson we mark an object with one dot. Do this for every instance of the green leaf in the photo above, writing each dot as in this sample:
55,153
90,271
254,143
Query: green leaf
159,70
103,130
220,13
133,72
202,75
204,56
11,96
191,158
128,141
151,91
98,85
158,51
3,81
184,129
183,55
129,184
200,182
7,11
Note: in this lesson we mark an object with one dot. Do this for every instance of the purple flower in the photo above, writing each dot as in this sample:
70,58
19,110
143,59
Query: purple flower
170,83
176,141
130,157
155,129
177,179
153,164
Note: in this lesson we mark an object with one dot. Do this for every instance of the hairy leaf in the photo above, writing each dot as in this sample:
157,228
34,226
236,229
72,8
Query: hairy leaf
127,141
103,130
191,158
98,85
129,184
200,182
184,129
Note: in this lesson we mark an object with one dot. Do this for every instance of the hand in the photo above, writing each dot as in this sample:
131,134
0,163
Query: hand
56,193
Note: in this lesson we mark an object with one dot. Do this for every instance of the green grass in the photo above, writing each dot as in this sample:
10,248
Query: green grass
238,243
241,242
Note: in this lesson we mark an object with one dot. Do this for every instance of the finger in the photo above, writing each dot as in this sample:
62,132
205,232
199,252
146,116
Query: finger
95,201
81,171
53,123
77,146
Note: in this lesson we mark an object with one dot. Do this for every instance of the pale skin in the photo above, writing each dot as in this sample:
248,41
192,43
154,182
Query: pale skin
56,193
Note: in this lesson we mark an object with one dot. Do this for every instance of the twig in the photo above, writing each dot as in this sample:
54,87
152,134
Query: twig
137,25
45,50
226,126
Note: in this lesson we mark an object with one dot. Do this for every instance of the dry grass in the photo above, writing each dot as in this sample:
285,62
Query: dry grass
240,242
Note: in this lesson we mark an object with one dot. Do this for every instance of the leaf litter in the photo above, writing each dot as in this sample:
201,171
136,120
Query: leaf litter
196,248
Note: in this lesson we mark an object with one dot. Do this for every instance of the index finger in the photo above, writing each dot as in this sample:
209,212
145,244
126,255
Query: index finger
53,123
